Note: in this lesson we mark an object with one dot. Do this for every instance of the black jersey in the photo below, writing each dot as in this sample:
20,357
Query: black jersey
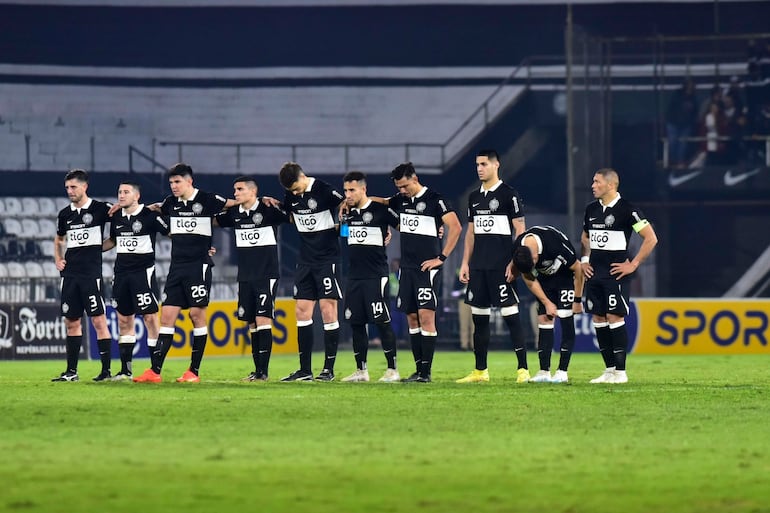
134,237
420,218
190,225
83,229
313,213
609,229
256,239
556,254
491,214
367,230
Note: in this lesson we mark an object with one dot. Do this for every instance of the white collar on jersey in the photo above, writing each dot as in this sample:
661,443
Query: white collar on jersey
482,190
85,206
136,212
422,191
364,207
247,210
611,203
310,182
538,240
192,198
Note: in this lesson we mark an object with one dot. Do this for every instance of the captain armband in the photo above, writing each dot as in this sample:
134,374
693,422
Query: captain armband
638,227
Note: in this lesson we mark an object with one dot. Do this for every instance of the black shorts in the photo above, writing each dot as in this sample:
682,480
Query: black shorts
317,282
187,285
418,290
135,292
256,298
560,290
488,288
367,301
607,296
79,295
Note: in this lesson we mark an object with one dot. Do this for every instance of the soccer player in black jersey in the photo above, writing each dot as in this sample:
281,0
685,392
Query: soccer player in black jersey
549,265
495,215
366,299
80,226
256,240
190,212
607,228
422,212
312,204
134,289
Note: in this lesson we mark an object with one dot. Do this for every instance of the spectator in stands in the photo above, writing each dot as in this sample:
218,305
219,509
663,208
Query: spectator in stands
760,131
715,96
190,212
735,129
681,117
256,240
135,289
714,128
78,257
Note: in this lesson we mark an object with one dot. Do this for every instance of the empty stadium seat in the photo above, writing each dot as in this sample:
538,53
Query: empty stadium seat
16,270
2,207
46,248
163,249
30,228
34,270
50,270
30,207
12,206
61,203
3,270
47,207
13,227
107,272
47,228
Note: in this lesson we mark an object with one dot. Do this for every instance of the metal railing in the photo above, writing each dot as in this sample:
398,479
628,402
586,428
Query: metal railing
722,138
484,115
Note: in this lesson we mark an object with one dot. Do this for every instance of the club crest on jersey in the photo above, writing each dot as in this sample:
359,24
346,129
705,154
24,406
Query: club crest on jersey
197,208
420,207
367,217
136,226
87,218
609,220
494,204
257,218
312,204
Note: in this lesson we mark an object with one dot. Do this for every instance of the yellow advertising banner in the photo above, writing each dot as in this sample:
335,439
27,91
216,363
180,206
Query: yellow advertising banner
230,336
702,326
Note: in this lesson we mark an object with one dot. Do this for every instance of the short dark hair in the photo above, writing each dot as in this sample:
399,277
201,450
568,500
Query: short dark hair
180,169
522,259
490,154
248,180
405,170
135,185
355,176
77,174
289,174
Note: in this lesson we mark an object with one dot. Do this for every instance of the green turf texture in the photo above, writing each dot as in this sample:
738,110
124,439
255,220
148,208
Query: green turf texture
686,434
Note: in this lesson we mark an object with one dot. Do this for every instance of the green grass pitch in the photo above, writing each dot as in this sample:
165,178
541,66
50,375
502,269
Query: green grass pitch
686,434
